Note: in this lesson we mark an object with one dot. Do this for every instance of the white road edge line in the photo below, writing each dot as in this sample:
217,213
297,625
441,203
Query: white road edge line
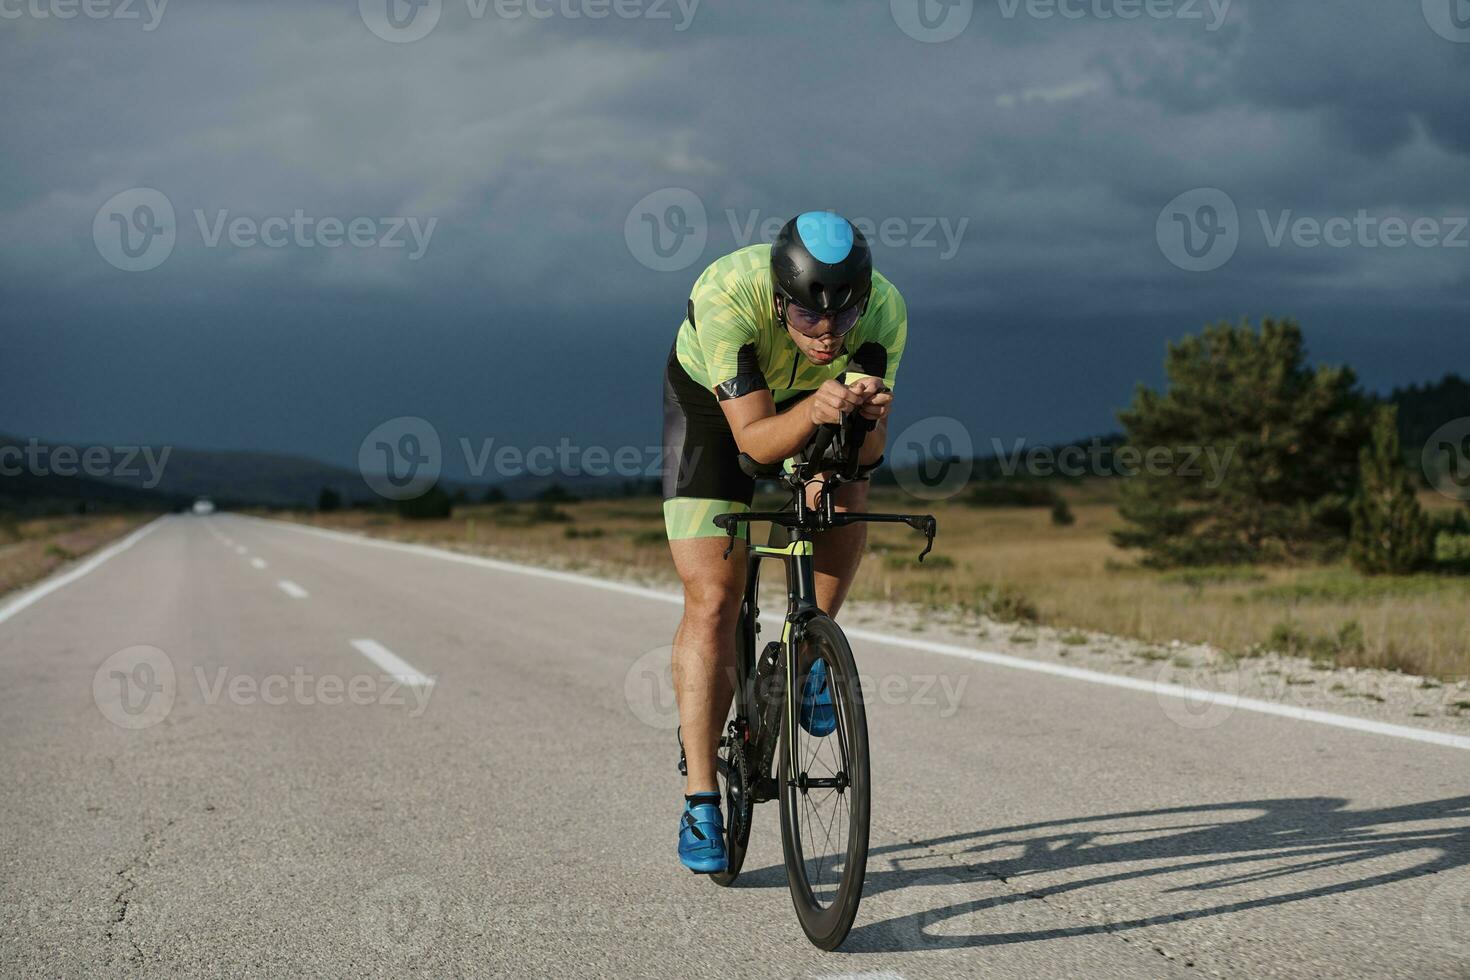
50,585
257,563
292,589
241,550
396,666
929,646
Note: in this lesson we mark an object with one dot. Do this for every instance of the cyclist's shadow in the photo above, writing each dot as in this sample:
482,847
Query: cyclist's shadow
1208,847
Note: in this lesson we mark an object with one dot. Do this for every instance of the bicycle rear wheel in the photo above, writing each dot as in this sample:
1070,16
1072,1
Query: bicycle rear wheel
733,769
824,793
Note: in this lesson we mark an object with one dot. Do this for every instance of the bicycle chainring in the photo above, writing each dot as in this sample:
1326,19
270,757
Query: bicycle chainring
735,764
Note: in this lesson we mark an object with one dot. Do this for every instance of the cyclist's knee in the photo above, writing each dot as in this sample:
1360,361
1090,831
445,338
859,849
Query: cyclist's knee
715,605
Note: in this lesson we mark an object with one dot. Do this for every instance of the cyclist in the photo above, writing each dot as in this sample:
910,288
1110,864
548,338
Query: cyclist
778,340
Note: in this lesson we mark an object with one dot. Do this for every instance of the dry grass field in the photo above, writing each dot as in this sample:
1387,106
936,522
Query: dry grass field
1013,564
32,549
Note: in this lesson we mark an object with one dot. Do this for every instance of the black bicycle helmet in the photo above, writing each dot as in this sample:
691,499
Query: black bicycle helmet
820,261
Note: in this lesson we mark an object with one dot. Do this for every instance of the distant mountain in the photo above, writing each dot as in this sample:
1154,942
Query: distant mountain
162,477
233,479
29,489
159,480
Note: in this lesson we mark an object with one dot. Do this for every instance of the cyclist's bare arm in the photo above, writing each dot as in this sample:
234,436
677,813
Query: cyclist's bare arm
768,436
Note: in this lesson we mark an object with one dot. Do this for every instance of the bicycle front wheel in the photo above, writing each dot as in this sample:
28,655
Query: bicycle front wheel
824,786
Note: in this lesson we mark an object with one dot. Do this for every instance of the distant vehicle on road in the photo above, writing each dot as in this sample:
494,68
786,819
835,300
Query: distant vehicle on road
203,505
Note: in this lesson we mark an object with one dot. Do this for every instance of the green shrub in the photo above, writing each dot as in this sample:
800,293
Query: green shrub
1198,578
557,494
582,532
1061,514
1452,551
1011,493
900,561
1009,605
1390,532
1288,638
433,505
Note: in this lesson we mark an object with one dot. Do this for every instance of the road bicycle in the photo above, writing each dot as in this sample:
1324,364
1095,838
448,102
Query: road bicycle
822,781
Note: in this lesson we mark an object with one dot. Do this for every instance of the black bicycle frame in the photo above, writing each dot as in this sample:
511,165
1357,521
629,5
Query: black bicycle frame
801,522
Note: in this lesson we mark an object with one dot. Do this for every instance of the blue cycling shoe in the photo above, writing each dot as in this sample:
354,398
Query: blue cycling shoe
702,835
818,717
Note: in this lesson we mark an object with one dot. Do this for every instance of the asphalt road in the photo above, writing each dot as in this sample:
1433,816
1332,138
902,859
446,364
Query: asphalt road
240,748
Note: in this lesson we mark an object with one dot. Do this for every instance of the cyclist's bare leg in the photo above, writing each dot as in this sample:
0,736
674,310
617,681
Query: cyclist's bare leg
704,649
838,551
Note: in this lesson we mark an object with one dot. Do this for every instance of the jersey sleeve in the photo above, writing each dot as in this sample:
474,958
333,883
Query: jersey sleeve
878,354
726,330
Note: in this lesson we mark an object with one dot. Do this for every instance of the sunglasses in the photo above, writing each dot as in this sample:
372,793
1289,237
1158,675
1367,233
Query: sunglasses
810,323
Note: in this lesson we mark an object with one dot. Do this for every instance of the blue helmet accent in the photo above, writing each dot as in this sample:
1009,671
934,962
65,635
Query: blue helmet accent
821,262
827,236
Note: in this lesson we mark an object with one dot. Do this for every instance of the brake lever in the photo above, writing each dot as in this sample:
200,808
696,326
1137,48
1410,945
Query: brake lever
929,526
730,540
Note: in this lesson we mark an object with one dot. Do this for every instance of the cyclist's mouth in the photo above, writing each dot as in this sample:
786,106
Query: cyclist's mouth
821,356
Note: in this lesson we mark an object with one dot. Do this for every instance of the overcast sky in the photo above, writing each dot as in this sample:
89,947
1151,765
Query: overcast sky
1020,178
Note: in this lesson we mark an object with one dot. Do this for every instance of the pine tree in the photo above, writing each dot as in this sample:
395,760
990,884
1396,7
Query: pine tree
1261,451
1391,533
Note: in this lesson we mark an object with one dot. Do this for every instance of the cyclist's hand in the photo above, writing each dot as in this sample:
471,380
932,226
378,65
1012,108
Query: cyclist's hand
875,396
830,402
876,409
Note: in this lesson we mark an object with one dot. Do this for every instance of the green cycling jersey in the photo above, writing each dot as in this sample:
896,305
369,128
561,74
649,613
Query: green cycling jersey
732,344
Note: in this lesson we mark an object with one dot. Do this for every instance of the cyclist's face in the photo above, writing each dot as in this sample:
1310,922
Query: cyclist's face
819,338
818,350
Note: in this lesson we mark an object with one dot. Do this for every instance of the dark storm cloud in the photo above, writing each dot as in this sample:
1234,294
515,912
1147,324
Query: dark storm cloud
1052,142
